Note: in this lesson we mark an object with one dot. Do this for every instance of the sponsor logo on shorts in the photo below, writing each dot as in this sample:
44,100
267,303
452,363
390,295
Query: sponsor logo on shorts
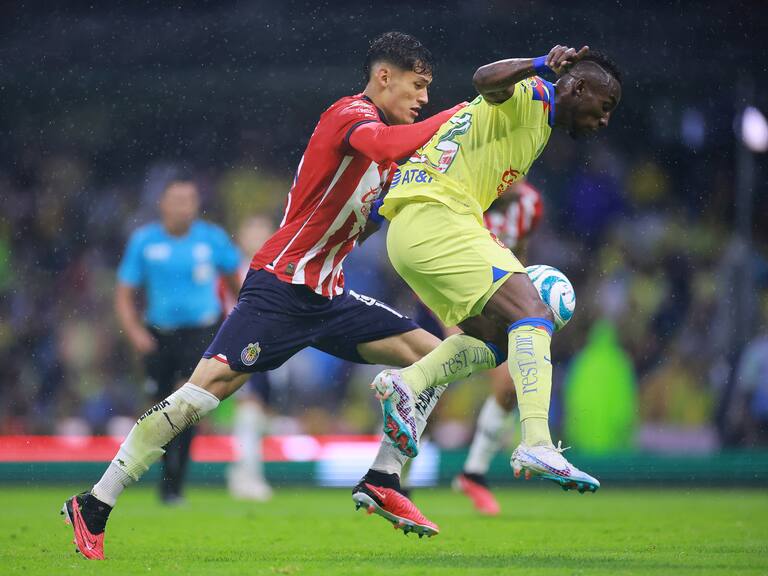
368,301
250,354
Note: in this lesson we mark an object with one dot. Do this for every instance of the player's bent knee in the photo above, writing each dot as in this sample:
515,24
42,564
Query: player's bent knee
400,350
217,378
486,329
540,310
517,299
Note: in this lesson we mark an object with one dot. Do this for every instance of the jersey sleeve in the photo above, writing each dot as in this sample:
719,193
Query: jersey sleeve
530,102
383,143
350,115
226,254
131,268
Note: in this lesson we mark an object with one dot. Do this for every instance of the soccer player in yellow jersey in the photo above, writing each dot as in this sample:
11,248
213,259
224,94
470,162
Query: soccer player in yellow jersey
438,244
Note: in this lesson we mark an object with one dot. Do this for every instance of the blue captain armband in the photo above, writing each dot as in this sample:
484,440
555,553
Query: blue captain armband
374,216
540,66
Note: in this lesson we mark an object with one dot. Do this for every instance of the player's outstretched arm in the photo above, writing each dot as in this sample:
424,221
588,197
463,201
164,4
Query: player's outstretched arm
382,143
496,81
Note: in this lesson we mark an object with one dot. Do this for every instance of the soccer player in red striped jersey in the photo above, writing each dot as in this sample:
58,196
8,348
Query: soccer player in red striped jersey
293,295
349,161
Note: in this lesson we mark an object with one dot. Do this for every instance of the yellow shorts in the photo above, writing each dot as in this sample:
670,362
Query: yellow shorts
451,261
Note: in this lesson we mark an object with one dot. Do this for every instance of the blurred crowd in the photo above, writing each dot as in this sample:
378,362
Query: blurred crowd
656,357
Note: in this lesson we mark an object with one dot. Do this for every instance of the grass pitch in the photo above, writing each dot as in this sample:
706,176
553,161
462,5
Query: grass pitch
542,531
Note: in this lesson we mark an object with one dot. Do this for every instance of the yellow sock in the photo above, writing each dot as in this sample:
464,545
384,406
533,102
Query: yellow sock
531,369
455,358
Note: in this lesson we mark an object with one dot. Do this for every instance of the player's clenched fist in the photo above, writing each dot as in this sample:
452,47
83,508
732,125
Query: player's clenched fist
561,58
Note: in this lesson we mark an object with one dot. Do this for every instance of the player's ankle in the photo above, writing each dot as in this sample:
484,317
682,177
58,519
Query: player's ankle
535,431
415,378
95,513
476,477
382,479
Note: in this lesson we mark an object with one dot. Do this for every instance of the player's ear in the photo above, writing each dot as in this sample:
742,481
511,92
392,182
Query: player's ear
578,86
383,74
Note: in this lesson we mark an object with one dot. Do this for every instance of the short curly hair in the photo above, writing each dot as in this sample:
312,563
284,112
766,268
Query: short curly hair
604,61
401,50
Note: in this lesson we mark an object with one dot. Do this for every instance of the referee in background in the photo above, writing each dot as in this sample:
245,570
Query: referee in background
176,262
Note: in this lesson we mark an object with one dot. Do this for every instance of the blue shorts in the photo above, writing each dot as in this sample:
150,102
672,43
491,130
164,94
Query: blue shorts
258,384
273,320
427,320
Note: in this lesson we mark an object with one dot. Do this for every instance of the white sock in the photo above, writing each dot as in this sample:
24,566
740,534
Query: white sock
154,429
486,441
249,419
389,459
111,484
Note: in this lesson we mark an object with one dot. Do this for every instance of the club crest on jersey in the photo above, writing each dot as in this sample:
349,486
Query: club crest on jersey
250,354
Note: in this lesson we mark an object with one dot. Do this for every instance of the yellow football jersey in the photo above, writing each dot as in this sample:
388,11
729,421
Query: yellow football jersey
478,152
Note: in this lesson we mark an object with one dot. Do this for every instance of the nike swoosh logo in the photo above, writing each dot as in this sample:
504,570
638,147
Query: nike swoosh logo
88,539
562,471
378,494
90,543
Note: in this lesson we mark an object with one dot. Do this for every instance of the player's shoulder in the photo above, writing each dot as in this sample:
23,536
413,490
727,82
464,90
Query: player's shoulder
536,88
206,228
535,93
531,104
149,232
357,105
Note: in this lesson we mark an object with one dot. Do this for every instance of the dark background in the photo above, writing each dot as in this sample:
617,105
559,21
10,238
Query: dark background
100,103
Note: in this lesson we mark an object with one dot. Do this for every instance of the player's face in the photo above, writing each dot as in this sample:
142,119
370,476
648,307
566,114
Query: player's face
404,95
179,206
593,108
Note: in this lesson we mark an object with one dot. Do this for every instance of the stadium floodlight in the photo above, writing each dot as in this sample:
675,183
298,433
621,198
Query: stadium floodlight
754,130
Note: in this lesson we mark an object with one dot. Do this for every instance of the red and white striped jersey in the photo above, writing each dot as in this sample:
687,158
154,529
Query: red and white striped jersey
329,202
513,223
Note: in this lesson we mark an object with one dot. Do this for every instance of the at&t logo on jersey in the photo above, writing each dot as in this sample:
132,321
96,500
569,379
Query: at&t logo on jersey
416,175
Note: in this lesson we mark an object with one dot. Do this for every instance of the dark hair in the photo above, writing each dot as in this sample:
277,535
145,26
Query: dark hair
401,50
602,60
180,175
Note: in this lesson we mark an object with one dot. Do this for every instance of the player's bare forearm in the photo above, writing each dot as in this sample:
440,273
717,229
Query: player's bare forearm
496,81
125,308
130,319
382,143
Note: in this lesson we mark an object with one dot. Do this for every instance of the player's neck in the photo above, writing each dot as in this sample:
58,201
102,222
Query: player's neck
560,109
177,230
374,95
